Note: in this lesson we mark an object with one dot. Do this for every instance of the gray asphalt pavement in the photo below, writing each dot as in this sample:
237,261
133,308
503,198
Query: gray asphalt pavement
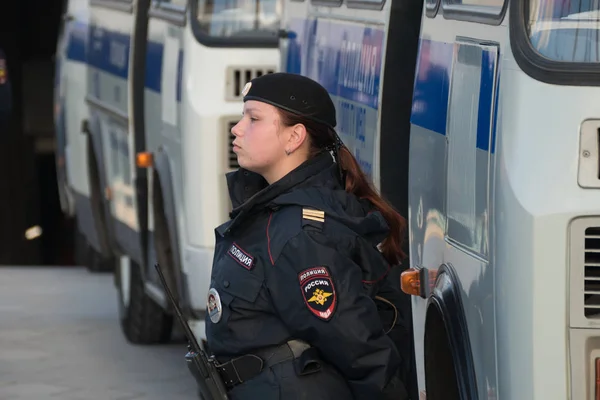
60,339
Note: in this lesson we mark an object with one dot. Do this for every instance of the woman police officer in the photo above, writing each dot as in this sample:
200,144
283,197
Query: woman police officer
290,308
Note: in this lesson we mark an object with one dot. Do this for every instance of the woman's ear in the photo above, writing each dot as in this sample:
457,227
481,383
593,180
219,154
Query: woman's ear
298,136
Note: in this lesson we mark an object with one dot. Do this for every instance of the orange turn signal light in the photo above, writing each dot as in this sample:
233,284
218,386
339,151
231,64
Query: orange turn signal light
144,159
410,282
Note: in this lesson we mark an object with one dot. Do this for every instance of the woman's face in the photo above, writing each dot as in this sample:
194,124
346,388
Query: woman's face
259,140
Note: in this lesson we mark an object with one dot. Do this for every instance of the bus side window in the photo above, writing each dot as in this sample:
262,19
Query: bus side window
174,4
482,11
366,4
327,3
121,5
172,11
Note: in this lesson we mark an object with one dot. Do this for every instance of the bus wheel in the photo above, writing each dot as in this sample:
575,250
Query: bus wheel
142,320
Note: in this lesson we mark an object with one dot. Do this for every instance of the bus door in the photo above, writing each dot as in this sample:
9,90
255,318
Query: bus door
167,20
451,159
111,41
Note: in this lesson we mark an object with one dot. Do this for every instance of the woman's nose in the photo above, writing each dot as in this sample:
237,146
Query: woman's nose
235,130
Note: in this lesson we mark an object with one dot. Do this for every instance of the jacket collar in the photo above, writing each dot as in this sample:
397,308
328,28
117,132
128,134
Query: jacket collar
249,191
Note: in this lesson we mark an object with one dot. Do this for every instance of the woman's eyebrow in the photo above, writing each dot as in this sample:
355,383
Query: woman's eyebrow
251,109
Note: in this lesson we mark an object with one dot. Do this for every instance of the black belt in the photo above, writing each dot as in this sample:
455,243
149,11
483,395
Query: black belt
243,368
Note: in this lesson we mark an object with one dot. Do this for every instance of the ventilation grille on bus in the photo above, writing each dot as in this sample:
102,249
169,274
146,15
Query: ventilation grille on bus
237,77
232,157
592,273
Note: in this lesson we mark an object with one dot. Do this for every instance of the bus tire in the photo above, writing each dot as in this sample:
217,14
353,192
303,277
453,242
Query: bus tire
142,320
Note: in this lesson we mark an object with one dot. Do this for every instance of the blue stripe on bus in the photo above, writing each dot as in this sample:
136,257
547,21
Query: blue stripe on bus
486,87
431,91
76,41
432,83
109,51
154,58
96,49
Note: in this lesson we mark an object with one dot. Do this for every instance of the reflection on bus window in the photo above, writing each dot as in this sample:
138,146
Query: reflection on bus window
565,30
366,2
239,18
492,4
176,3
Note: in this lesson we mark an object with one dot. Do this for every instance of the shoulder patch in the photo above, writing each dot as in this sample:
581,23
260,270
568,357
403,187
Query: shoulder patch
318,291
242,257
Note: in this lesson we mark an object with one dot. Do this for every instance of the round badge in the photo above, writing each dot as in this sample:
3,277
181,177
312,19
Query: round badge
215,309
246,88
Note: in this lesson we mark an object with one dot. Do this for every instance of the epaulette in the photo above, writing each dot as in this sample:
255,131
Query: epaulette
314,218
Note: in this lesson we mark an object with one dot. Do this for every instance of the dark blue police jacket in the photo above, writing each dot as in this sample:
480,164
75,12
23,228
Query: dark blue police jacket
299,260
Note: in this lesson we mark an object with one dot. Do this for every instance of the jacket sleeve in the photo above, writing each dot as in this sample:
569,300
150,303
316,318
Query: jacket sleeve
318,294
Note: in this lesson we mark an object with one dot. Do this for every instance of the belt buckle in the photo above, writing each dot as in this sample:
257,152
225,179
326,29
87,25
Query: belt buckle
229,371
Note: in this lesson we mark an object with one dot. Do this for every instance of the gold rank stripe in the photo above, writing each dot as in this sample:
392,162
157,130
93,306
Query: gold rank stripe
314,219
313,215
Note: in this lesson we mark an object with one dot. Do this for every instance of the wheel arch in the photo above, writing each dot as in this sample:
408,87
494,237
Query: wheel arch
165,218
447,340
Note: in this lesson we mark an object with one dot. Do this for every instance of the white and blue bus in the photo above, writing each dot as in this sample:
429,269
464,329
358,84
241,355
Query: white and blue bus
498,173
151,90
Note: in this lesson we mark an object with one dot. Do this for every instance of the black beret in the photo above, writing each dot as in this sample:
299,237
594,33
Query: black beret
294,93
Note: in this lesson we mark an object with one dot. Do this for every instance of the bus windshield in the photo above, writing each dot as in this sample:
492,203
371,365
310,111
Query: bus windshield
565,30
239,18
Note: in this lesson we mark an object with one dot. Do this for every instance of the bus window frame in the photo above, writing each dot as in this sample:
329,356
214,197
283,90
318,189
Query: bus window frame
119,5
470,13
226,42
539,67
327,3
168,12
365,5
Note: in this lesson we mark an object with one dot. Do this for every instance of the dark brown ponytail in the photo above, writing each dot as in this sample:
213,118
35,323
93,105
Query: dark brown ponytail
356,183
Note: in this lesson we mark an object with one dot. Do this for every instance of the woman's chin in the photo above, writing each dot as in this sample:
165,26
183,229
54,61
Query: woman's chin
244,164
